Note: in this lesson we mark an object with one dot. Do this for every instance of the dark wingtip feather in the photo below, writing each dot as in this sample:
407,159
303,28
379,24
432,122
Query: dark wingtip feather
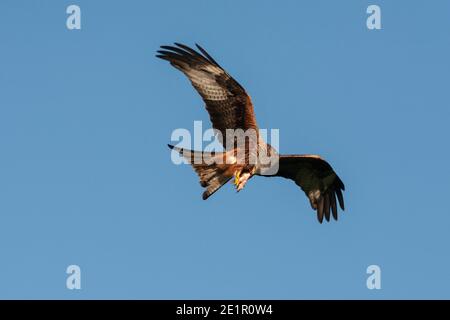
205,195
341,184
176,50
333,205
175,55
170,54
206,54
340,198
320,210
320,218
327,207
170,146
167,47
193,53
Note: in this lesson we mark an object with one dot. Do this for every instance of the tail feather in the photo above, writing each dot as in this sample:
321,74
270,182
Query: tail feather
213,185
212,175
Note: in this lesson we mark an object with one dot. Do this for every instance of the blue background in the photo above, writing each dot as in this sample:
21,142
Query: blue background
86,176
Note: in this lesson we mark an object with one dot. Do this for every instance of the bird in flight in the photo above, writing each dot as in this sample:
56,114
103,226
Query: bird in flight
230,108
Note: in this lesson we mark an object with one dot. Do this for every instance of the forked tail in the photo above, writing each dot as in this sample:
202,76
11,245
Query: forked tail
211,167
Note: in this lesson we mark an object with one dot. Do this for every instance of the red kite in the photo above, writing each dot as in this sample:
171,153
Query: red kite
230,107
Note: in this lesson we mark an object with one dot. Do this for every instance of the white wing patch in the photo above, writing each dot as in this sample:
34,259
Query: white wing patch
206,83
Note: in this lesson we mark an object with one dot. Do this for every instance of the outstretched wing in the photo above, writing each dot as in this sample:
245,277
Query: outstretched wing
228,104
317,179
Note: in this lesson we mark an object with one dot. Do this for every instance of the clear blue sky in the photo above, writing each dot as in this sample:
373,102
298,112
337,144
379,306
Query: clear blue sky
86,176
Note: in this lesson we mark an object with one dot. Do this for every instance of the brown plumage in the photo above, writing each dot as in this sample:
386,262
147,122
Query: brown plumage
230,107
317,179
228,104
211,167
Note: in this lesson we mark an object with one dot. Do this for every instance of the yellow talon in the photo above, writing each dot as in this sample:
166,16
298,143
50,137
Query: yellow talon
237,174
